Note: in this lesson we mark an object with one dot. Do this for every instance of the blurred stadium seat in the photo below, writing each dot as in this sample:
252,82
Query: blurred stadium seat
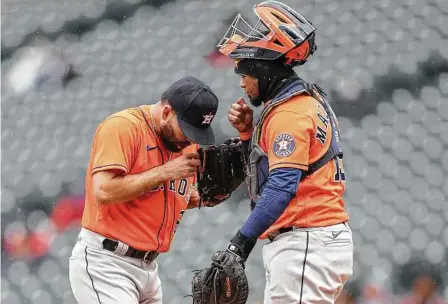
384,64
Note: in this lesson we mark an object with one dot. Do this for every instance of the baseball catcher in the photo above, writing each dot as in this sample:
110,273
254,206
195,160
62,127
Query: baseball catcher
296,176
221,171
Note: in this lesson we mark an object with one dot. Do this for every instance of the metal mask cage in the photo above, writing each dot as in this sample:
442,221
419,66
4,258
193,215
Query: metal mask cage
242,30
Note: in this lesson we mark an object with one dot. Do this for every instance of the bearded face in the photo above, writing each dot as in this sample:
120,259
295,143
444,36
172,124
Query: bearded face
170,137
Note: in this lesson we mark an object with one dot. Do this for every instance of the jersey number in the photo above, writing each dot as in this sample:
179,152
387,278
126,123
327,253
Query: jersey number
339,176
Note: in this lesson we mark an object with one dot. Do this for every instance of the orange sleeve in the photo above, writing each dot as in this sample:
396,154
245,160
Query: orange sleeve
288,139
115,142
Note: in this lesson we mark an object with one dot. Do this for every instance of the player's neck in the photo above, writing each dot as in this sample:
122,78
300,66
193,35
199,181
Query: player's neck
153,119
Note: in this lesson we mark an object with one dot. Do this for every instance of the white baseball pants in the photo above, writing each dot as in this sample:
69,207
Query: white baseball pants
103,277
308,265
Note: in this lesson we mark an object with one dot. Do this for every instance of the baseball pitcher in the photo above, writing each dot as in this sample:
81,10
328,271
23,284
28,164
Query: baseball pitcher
144,165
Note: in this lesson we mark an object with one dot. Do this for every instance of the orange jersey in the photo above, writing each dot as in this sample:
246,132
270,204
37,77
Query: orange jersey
295,134
126,141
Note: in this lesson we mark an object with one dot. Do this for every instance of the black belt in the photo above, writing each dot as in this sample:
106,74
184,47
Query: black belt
276,233
147,256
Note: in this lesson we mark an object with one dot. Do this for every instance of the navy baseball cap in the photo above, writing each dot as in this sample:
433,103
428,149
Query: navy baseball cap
195,105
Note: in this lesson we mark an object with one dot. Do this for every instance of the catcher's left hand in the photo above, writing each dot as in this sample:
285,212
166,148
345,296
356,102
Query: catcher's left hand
221,171
224,282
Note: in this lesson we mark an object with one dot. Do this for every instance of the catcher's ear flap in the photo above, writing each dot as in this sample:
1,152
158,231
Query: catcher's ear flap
225,167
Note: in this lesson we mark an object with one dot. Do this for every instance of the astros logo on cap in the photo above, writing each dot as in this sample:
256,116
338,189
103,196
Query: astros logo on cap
207,118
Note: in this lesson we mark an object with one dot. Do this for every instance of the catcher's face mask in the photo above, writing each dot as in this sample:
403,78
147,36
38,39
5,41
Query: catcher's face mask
279,31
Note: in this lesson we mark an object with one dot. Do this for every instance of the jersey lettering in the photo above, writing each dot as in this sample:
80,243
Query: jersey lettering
321,135
182,187
323,119
322,130
172,186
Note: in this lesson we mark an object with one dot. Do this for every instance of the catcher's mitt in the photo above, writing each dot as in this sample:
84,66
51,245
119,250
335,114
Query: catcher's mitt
224,282
221,171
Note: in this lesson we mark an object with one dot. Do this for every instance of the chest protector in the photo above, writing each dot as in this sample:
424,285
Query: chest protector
258,165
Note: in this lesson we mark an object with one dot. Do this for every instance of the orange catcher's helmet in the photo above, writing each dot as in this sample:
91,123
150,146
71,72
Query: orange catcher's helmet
279,31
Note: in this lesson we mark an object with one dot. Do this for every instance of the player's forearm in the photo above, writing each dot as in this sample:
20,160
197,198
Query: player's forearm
121,189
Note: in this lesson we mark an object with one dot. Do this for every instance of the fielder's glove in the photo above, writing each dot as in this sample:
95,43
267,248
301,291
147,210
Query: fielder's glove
224,282
221,171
